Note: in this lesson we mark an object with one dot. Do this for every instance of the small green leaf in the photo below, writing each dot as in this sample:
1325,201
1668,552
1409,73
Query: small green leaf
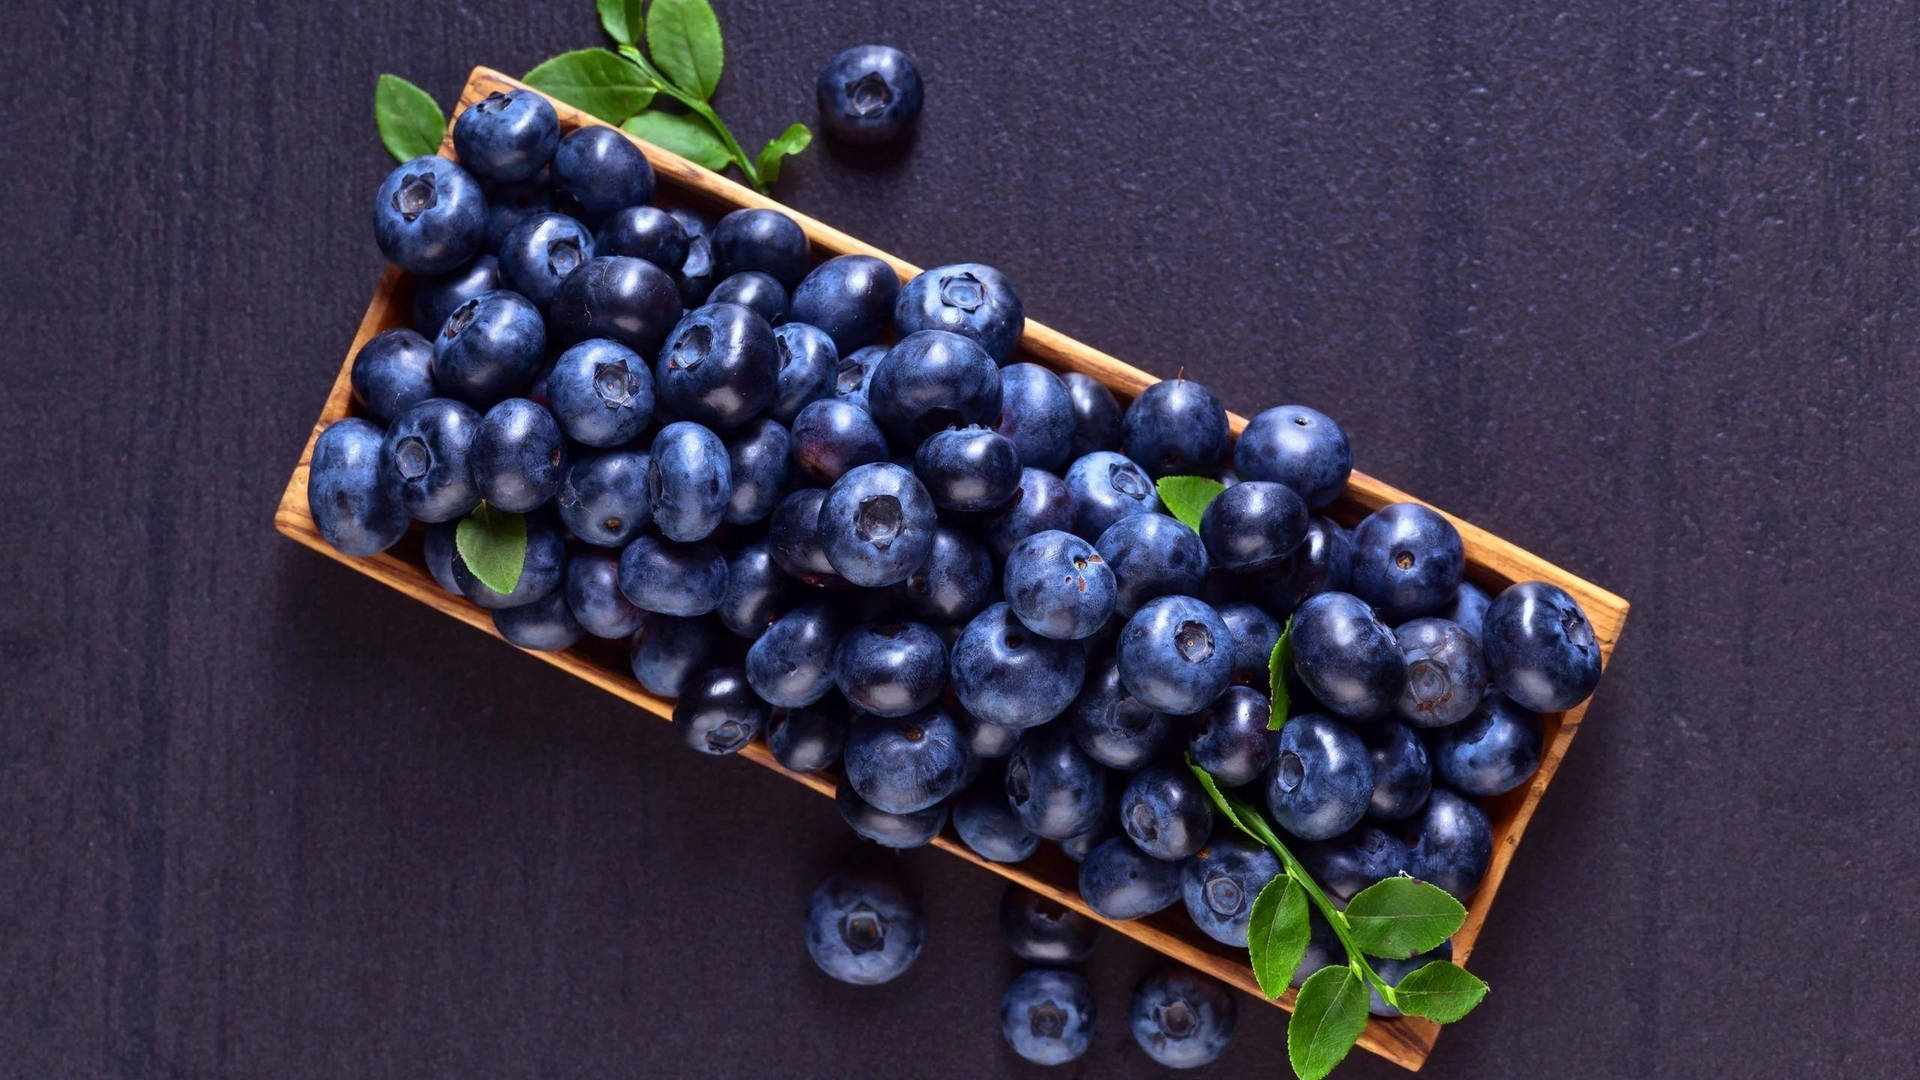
789,142
493,544
1401,917
1278,665
685,135
1277,933
684,38
1328,1017
1442,991
621,20
410,123
1186,497
594,80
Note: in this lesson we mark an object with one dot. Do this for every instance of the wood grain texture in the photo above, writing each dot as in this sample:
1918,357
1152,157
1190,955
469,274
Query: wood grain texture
1491,561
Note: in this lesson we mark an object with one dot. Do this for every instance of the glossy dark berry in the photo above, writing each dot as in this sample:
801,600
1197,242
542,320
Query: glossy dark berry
1055,788
717,712
831,436
989,827
905,764
876,524
1079,845
1540,647
644,232
1452,843
542,572
1182,1019
954,583
1096,414
1006,674
855,372
1176,426
1164,812
507,136
890,669
673,579
764,240
757,592
601,392
1044,931
869,95
1220,883
1113,727
1059,586
666,651
968,469
794,533
986,742
437,548
1036,412
791,663
1254,634
354,507
430,216
1253,523
603,499
1229,737
1402,774
546,625
601,171
629,300
969,299
426,460
863,929
1469,608
1047,1015
1445,674
519,456
808,364
697,274
1349,660
1322,563
489,348
1491,752
392,373
889,830
1107,487
539,254
1153,555
809,738
718,367
930,381
755,291
1038,503
1298,447
1119,881
689,480
849,297
758,462
593,595
1175,654
1321,779
435,298
1407,561
1354,860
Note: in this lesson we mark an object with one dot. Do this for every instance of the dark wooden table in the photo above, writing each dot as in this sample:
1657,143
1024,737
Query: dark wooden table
1633,287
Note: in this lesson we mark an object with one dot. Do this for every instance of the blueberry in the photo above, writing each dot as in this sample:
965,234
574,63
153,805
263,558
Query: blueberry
601,171
392,373
1078,846
430,216
666,650
794,533
519,457
719,366
507,206
631,301
689,480
933,380
1182,1019
1054,787
1229,737
1036,412
1540,647
764,240
1402,776
353,505
644,232
889,830
602,393
1107,487
1119,881
970,299
809,738
1040,502
756,591
989,827
1322,563
1469,608
425,460
1393,971
1006,674
831,436
1044,931
697,274
808,364
717,712
594,597
539,254
1059,586
1445,674
1253,523
542,572
1491,752
904,764
506,137
755,291
1321,779
1165,813
489,348
1220,883
791,663
863,930
890,669
1298,447
1176,426
1254,634
869,95
1112,727
1347,657
435,298
1354,860
876,524
955,581
985,742
1096,415
1153,555
1406,561
437,548
603,499
967,469
1175,654
673,579
546,625
1047,1016
855,371
850,298
757,462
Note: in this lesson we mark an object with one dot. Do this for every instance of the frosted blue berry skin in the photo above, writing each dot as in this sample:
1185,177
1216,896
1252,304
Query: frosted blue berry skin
1113,727
519,456
435,298
809,738
1491,752
1165,813
1253,523
903,765
689,479
1175,654
670,578
869,95
1298,447
593,595
1047,1016
629,300
1096,414
644,232
891,669
897,831
969,299
1321,780
1469,608
1036,412
989,827
831,437
601,172
791,663
876,524
930,381
546,625
601,393
719,367
968,469
1008,675
1255,632
1220,883
1176,426
542,572
1043,931
764,240
489,348
1402,770
1106,487
353,507
1452,842
1355,860
1154,555
430,216
667,650
717,712
507,136
1229,737
757,592
1446,676
1119,881
808,365
1349,660
849,297
1059,585
1054,787
539,254
863,929
1181,1019
392,373
1540,647
755,291
426,458
954,583
758,463
1407,561
603,499
1039,502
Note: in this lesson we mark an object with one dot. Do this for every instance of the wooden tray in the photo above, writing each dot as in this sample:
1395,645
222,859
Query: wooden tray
1491,562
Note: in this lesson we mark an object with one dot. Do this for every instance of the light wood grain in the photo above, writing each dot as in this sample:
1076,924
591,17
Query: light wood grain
1492,562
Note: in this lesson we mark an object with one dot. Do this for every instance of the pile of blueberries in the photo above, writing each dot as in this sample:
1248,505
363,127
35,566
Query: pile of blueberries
824,508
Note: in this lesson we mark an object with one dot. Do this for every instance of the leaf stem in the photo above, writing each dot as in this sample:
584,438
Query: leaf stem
699,108
1336,918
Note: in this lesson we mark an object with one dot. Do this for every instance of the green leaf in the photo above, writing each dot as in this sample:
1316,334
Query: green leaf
621,20
684,38
1328,1017
685,135
1277,933
594,80
1278,665
410,123
1400,917
1187,497
493,544
1442,991
789,142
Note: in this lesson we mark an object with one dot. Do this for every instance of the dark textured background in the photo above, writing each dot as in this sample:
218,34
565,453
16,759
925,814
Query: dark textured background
1631,285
